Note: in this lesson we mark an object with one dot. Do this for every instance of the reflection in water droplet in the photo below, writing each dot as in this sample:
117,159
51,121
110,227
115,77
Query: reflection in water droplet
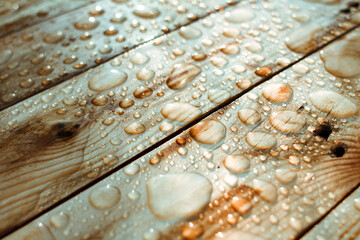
208,132
106,80
135,128
59,220
178,195
236,163
183,112
87,24
54,37
333,103
239,15
146,11
104,197
189,32
277,92
181,75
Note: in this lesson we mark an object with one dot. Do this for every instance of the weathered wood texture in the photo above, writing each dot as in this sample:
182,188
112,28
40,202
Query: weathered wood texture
18,14
266,166
58,141
43,55
341,223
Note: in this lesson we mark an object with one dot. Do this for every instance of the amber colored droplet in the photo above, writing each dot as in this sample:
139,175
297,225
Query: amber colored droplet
263,71
126,103
181,141
192,231
111,31
142,92
198,56
80,65
86,36
100,100
97,11
70,59
46,70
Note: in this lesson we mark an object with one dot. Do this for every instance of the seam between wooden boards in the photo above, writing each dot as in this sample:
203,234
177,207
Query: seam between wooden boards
76,72
172,135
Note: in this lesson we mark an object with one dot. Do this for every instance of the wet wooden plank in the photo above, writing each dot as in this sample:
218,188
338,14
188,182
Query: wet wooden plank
266,166
64,138
41,56
18,14
341,223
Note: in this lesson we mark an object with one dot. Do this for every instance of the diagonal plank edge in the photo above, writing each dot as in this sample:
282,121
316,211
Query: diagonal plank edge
72,131
270,176
46,54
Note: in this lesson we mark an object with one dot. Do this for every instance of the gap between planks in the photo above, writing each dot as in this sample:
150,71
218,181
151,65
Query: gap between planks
174,134
128,49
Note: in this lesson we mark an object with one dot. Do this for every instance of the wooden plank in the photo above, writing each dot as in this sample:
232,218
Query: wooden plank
293,155
61,140
43,55
18,14
341,223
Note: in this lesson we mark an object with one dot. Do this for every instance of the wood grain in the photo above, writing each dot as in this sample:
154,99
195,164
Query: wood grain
341,223
290,184
70,135
18,14
41,56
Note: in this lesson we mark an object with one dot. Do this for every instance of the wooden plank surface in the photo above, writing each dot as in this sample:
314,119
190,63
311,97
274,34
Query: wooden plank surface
18,14
53,51
58,141
341,223
266,166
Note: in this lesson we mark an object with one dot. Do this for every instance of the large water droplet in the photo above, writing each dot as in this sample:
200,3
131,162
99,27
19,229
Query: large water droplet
239,15
181,75
178,195
287,121
208,132
183,112
106,80
104,197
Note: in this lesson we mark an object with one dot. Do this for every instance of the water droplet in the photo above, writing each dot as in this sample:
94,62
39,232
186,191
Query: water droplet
231,32
166,127
266,190
178,195
208,132
104,197
303,39
342,58
218,61
190,32
357,203
146,11
300,68
45,70
253,46
87,24
142,92
183,112
132,169
285,175
249,116
145,74
110,160
239,15
126,103
230,49
135,128
236,235
241,205
107,80
236,163
118,18
139,59
277,92
192,231
59,220
5,56
54,37
333,103
260,140
287,121
181,75
100,100
295,224
218,96
37,231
